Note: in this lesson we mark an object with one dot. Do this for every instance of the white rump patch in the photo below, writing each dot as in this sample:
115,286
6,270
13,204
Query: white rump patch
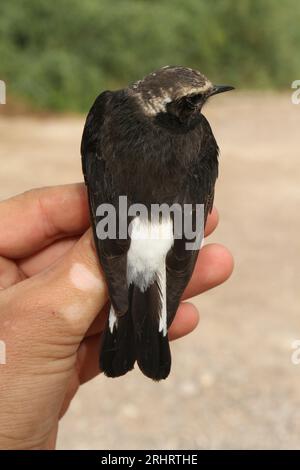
149,246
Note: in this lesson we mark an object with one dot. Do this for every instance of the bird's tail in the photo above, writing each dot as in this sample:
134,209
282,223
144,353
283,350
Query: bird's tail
152,345
139,335
117,355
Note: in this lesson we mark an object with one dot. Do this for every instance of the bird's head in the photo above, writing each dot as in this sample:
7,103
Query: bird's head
175,91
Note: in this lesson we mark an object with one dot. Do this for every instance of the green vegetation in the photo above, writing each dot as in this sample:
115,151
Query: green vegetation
60,54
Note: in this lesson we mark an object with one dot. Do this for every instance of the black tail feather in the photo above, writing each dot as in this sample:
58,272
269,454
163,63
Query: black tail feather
152,347
136,336
118,355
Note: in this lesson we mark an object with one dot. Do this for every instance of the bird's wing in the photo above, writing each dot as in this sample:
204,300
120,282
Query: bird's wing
180,262
112,253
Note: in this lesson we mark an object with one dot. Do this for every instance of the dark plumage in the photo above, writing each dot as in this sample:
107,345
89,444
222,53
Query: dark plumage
151,143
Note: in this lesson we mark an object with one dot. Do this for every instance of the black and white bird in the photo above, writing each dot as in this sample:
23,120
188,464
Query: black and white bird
151,143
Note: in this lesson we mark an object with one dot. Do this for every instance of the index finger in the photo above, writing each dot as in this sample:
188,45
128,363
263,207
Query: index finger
36,218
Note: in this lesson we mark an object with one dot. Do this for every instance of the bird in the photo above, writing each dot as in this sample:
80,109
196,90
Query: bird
151,144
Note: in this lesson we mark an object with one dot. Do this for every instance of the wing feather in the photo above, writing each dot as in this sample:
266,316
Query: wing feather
112,253
202,176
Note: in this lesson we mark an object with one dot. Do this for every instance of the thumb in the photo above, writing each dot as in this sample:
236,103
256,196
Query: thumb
63,300
42,322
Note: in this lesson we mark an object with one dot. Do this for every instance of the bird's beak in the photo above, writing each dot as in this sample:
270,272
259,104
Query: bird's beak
220,89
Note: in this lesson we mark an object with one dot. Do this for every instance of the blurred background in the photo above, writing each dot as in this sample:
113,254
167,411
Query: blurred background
233,384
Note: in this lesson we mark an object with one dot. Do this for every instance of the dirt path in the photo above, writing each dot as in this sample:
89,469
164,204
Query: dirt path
233,384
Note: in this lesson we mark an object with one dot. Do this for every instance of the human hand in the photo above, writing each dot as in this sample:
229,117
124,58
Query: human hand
54,305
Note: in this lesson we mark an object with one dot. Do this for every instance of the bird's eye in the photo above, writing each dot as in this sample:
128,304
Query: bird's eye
193,100
189,103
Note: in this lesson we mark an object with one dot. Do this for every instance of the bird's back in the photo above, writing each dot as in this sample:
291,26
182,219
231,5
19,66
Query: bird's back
150,162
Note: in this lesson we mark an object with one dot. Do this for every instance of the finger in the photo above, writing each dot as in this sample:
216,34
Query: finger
99,322
39,261
9,273
36,218
87,363
63,300
212,222
214,265
185,321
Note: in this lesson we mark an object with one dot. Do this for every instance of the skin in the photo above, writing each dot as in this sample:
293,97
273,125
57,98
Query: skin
54,304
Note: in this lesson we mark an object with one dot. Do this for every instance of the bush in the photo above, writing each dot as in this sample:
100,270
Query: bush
61,54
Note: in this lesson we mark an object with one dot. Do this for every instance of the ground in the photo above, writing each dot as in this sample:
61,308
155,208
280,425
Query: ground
233,384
